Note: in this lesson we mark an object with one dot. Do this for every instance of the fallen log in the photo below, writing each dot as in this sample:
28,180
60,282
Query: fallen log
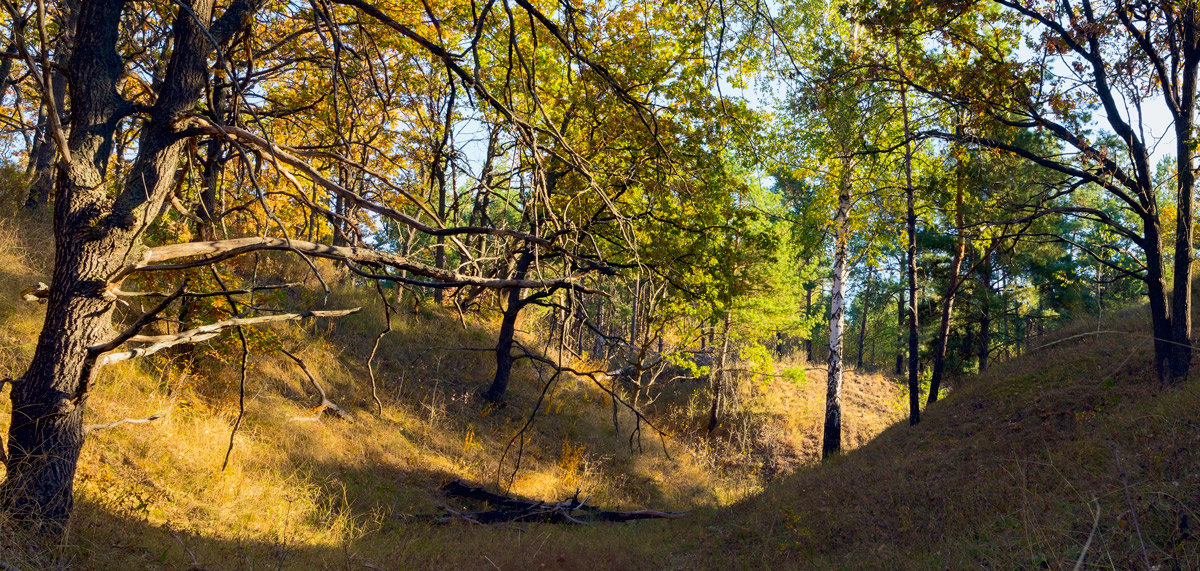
510,509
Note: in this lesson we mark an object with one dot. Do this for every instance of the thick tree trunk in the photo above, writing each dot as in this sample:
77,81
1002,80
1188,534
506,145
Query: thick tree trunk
1181,299
95,237
48,401
831,443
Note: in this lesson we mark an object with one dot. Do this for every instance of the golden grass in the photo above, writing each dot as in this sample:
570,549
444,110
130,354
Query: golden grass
1001,473
310,493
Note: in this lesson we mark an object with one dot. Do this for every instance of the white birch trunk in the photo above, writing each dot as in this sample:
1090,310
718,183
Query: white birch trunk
832,443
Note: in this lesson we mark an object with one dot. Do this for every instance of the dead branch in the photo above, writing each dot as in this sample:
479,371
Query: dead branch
160,414
199,294
220,250
202,333
507,508
325,403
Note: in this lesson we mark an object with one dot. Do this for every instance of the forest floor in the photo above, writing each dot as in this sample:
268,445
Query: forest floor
1070,449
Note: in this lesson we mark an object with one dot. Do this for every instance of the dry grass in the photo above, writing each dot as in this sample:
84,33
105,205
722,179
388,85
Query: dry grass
307,493
1001,473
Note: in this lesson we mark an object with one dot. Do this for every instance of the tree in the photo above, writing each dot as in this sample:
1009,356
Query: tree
108,197
1124,55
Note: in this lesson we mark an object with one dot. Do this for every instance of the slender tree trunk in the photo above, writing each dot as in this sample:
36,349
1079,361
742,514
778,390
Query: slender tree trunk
213,165
440,164
831,443
719,377
633,314
914,387
808,343
1156,293
508,328
960,245
985,312
900,328
862,322
46,153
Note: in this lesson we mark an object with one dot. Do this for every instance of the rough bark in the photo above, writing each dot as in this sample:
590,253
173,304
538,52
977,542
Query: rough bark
1181,302
96,237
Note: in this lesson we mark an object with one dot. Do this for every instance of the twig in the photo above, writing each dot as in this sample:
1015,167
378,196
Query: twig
387,316
325,403
1132,510
195,563
241,399
1092,535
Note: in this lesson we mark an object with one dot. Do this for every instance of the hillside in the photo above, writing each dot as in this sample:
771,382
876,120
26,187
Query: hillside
303,491
1071,444
1018,467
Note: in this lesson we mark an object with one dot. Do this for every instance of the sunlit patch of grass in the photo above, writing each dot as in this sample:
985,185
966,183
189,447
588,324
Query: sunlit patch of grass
1003,472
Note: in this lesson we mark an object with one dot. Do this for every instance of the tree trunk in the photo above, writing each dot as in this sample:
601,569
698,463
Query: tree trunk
1181,299
440,162
900,329
985,312
46,154
1156,293
960,245
508,328
95,237
862,322
808,343
831,442
914,387
719,376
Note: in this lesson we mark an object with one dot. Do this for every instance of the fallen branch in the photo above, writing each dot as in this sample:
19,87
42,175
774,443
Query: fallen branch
506,509
160,414
325,404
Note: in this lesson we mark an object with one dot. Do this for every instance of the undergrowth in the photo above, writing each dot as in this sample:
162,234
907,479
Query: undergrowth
1073,444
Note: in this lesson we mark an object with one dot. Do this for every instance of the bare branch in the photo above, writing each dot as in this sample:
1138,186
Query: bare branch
220,250
325,403
204,333
160,414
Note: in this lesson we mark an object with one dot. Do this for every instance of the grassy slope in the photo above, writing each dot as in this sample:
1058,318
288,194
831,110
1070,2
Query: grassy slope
1008,471
303,493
